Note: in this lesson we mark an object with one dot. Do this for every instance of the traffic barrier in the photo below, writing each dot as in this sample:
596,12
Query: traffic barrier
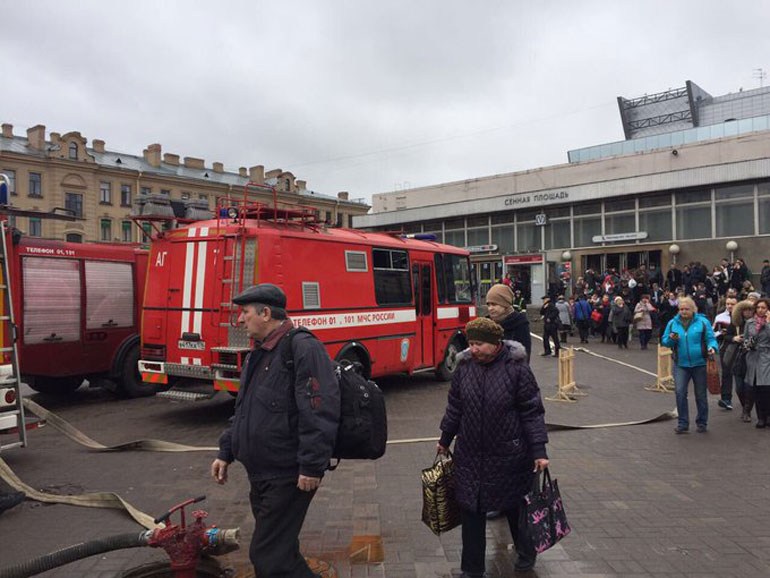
567,389
664,380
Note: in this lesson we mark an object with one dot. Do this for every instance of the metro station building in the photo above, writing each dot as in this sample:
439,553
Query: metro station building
691,182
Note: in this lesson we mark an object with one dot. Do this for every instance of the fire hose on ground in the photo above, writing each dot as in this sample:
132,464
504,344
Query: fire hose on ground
185,545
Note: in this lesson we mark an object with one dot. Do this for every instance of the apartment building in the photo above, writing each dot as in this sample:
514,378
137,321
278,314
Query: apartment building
100,187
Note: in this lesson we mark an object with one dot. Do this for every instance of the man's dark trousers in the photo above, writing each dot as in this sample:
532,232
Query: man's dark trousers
279,509
550,332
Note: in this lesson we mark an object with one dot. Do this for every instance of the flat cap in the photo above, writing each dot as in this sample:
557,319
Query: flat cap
265,293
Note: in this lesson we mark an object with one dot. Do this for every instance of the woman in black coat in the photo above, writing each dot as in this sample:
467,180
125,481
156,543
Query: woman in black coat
514,323
495,412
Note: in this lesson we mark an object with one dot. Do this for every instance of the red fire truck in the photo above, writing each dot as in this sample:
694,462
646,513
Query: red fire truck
77,312
393,304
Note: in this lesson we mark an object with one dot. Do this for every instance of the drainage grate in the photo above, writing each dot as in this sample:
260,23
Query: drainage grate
178,395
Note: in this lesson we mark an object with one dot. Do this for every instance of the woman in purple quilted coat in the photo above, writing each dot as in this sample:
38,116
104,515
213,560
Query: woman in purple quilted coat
496,413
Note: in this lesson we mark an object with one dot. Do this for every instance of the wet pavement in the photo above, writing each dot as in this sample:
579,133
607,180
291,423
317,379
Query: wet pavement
642,501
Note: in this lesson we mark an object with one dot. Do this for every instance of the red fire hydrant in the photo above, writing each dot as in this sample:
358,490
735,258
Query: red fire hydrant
186,544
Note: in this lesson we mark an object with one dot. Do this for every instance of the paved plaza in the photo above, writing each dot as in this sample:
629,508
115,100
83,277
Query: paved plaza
642,501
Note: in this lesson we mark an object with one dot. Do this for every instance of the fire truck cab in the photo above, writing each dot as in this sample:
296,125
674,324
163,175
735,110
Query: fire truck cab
393,304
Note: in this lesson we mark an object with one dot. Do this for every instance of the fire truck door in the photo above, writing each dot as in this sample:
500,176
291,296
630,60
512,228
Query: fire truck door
422,282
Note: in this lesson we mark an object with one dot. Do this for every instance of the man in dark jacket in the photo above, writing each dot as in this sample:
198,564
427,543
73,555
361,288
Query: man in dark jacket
550,316
283,430
496,415
673,278
514,323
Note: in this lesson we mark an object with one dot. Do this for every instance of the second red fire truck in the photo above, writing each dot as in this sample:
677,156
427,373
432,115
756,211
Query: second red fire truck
393,304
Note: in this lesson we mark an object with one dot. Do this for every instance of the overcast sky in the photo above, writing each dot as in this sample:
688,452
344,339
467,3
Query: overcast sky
362,96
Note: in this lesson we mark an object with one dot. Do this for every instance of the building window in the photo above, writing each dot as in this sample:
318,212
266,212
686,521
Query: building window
145,190
11,180
35,227
127,234
185,196
147,232
528,237
735,218
587,209
618,205
657,200
74,238
504,238
73,151
12,221
166,192
328,219
125,195
105,226
614,224
478,236
586,228
693,222
350,221
203,197
657,224
105,193
35,185
764,208
455,238
74,203
557,235
687,197
340,218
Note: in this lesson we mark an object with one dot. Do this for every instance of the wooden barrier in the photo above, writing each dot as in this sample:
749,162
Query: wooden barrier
567,389
664,382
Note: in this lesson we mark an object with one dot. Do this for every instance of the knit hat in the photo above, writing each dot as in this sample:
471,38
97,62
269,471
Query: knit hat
500,295
484,330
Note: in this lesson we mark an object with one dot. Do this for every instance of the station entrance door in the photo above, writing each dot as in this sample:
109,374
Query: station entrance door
621,260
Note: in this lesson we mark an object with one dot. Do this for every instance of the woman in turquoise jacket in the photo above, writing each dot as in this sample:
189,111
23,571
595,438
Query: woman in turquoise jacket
691,337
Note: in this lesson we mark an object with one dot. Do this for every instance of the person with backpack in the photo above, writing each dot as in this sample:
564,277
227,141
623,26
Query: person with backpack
283,430
583,317
496,416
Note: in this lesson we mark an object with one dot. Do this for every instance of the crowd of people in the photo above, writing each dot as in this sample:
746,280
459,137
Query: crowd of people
614,306
699,314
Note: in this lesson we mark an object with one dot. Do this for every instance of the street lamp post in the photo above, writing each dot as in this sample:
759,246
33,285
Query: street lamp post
674,250
731,246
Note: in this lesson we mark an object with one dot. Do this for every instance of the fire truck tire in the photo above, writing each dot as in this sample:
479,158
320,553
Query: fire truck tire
56,385
130,383
448,365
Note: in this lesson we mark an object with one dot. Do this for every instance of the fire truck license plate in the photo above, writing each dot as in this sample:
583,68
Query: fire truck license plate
197,345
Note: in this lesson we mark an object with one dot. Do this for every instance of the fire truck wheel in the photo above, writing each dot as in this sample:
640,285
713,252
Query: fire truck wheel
56,385
130,383
449,364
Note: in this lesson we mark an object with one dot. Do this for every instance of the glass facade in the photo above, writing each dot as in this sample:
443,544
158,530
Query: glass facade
724,212
651,143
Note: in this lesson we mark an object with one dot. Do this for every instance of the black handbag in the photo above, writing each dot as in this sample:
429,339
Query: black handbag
729,355
739,365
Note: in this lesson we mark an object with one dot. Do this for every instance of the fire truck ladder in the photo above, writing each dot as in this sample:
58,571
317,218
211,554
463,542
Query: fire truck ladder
8,327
